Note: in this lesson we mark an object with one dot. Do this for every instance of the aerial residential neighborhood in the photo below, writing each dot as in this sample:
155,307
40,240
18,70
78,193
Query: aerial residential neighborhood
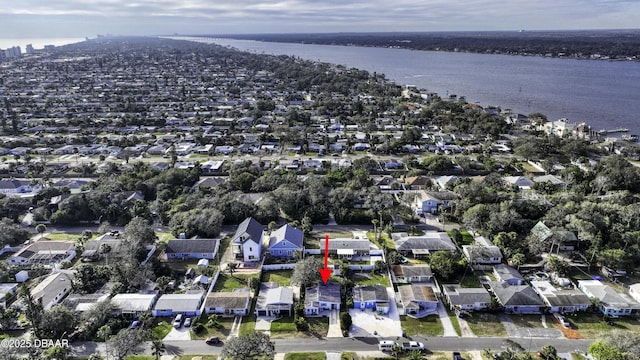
165,192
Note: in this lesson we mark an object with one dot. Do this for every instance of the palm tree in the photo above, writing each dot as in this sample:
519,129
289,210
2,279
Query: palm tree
41,228
415,355
105,249
396,351
157,348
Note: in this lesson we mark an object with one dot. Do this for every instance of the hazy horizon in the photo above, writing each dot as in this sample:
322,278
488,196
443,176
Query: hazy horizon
79,18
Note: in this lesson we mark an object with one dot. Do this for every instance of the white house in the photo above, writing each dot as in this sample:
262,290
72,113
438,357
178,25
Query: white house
52,289
232,303
133,304
611,303
187,304
246,243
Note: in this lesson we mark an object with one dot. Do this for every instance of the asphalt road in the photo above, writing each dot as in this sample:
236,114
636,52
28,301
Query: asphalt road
358,344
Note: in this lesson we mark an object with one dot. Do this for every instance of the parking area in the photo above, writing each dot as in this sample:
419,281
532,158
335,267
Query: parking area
181,333
367,323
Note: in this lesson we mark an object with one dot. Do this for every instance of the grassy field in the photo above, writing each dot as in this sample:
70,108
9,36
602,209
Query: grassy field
486,324
306,356
286,328
590,325
427,326
60,236
227,283
248,323
226,323
364,278
161,330
281,276
527,321
385,238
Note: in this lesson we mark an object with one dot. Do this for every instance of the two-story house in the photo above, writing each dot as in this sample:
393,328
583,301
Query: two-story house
246,243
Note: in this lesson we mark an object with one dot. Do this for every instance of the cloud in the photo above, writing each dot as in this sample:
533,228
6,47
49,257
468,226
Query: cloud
227,16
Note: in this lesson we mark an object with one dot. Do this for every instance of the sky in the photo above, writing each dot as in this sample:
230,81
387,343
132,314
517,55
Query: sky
80,18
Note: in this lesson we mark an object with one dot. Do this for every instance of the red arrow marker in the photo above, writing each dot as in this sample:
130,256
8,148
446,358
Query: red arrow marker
326,272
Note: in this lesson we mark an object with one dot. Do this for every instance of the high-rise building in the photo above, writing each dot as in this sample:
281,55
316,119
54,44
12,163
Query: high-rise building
29,49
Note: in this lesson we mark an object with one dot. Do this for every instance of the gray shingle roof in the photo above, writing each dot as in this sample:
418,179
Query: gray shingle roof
370,293
192,246
250,228
238,299
288,233
431,241
464,296
515,295
325,293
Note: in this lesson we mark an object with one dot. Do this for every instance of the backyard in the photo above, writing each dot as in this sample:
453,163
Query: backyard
280,276
228,283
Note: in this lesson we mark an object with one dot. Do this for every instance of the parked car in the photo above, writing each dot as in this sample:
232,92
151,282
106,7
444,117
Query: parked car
177,322
562,320
457,356
135,324
212,340
187,322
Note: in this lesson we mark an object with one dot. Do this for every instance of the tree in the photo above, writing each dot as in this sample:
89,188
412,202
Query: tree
558,265
12,233
306,272
41,228
157,348
396,351
125,342
58,352
416,355
306,225
104,332
56,322
548,352
445,264
627,342
8,317
601,350
33,309
139,229
254,345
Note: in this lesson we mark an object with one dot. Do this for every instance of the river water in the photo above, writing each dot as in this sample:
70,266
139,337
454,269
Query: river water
604,94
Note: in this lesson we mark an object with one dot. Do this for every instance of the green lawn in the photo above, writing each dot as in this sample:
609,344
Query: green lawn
527,321
226,323
161,330
385,238
486,324
590,325
286,328
306,356
227,283
283,325
427,326
467,238
281,276
139,357
454,322
60,236
370,278
248,323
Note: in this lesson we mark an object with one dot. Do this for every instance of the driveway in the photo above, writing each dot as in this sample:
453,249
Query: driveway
369,324
525,332
334,324
264,324
182,333
449,330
